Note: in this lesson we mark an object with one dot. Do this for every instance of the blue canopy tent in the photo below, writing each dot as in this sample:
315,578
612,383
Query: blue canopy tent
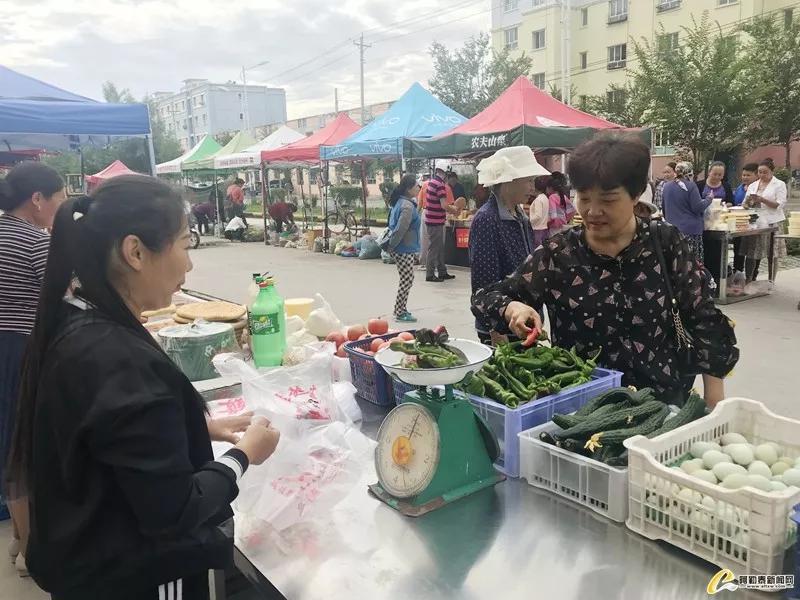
35,114
416,114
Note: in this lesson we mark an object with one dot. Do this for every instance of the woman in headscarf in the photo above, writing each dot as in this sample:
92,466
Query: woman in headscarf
684,207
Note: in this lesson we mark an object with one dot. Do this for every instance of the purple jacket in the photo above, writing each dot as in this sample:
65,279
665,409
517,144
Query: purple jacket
683,206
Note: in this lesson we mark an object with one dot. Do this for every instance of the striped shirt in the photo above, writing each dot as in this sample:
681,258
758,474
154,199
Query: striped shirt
434,202
23,256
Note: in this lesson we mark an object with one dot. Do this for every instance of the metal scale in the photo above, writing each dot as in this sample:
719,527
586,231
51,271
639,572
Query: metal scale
433,448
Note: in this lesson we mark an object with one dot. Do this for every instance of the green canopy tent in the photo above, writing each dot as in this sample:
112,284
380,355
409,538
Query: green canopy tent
239,143
206,147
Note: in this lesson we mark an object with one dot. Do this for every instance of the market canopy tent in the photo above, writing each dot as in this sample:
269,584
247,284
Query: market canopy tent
202,149
115,169
34,114
239,143
307,150
416,114
251,156
523,115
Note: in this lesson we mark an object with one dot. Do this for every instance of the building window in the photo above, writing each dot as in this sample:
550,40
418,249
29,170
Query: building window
510,38
205,119
241,116
194,100
664,5
202,99
510,5
616,98
196,121
617,55
662,144
371,179
617,11
183,104
726,2
302,123
584,17
538,39
667,42
535,3
788,17
240,95
184,124
584,59
538,80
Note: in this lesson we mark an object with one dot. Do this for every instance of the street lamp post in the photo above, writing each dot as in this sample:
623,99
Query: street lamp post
246,110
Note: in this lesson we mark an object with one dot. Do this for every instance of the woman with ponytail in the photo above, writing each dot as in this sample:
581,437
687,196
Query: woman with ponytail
29,197
126,499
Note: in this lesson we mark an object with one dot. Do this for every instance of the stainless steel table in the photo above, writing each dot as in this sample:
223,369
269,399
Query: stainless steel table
725,238
511,541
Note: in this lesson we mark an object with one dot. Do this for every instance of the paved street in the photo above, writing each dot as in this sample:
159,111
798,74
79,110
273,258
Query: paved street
767,328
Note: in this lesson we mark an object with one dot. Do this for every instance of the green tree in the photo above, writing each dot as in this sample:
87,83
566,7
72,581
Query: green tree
555,92
470,78
772,65
621,104
113,95
698,93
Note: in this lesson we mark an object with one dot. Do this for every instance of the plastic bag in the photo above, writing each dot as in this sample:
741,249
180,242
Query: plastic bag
369,249
737,283
349,252
302,481
322,319
386,257
294,324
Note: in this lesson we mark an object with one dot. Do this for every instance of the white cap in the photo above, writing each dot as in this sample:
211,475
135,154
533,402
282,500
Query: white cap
508,164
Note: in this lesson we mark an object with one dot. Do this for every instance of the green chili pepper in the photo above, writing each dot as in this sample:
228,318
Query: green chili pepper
532,363
496,391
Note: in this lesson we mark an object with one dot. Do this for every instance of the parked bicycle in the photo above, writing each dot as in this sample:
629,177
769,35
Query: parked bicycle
342,219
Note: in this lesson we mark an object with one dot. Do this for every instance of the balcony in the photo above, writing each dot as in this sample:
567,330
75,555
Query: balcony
616,64
666,5
618,18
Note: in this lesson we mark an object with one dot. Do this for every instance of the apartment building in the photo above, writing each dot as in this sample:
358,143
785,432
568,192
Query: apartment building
599,53
312,124
202,107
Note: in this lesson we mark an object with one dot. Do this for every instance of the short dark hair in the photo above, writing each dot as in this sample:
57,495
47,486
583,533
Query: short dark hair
24,180
238,181
750,167
672,165
407,182
767,162
453,175
716,163
540,183
609,162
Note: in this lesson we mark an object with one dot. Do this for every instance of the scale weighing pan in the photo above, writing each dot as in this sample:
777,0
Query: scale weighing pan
477,354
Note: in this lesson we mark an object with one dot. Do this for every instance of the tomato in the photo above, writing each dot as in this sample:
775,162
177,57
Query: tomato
378,326
406,336
383,345
337,337
340,351
355,331
376,344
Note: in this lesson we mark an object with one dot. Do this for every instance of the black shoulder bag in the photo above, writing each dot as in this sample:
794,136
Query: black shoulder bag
685,354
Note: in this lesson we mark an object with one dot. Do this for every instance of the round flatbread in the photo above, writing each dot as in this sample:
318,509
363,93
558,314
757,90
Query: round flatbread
181,321
168,310
156,326
224,312
240,324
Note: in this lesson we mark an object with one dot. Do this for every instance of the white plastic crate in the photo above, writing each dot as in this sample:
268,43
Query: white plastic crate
747,530
591,483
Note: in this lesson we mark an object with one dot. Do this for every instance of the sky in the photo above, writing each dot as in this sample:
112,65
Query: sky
152,45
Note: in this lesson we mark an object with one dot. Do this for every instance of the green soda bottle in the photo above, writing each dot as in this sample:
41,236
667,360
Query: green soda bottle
267,326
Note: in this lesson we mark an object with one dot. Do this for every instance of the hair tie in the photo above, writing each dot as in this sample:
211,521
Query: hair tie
80,207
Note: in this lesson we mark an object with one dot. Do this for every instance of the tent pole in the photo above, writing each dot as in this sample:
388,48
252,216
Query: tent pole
364,190
325,181
220,207
151,151
268,200
264,186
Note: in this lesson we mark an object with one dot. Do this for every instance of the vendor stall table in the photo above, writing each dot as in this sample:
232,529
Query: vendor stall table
511,540
725,239
456,243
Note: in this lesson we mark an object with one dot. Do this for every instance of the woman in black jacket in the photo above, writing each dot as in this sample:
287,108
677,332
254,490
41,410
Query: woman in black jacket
126,499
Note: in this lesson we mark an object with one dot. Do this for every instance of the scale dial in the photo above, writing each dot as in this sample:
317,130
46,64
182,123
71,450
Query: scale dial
407,454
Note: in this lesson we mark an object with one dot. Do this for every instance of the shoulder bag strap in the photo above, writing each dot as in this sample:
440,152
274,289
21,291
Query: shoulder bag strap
684,339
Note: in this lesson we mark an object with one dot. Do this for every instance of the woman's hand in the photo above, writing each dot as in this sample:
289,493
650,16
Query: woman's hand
520,317
259,441
226,429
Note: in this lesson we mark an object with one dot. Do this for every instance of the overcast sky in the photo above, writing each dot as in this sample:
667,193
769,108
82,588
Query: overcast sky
151,45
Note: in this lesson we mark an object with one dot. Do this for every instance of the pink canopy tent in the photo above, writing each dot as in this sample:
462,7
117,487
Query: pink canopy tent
306,151
113,170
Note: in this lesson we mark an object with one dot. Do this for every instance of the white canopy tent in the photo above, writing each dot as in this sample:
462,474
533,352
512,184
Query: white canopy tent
251,157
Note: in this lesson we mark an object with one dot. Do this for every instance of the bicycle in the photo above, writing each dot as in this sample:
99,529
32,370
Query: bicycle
342,218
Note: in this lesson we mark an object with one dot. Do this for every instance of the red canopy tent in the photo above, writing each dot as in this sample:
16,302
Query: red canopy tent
523,115
306,151
113,170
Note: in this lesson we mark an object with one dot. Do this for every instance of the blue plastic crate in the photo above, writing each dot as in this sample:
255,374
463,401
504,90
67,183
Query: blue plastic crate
507,423
372,383
400,388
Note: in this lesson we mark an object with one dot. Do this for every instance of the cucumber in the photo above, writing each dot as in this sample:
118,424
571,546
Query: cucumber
694,408
617,436
617,419
567,421
609,396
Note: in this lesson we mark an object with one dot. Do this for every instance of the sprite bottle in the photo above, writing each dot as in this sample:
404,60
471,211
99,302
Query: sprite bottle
267,326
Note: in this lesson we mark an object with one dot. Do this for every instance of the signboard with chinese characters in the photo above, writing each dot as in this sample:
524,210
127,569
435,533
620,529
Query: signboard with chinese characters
462,237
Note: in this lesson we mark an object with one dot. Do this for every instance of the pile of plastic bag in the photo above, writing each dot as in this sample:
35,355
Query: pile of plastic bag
367,247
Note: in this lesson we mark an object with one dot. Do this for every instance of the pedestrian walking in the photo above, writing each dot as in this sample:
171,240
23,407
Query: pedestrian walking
404,241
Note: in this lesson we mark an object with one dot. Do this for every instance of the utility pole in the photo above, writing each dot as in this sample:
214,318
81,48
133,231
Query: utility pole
361,46
336,100
246,108
566,49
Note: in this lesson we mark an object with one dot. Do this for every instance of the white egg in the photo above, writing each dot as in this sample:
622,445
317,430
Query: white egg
707,476
699,448
713,457
758,467
766,453
759,482
709,503
735,481
733,438
786,459
791,477
723,469
690,466
740,453
797,463
777,486
776,446
779,467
